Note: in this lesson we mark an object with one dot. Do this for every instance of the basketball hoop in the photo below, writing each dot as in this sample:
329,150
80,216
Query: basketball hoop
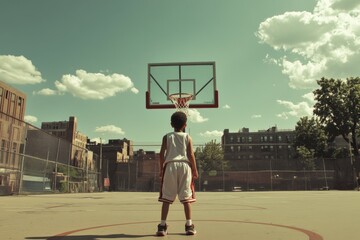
181,101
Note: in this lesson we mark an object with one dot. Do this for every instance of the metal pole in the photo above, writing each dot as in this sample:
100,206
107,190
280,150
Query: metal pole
22,161
101,173
223,175
351,161
271,176
326,183
56,162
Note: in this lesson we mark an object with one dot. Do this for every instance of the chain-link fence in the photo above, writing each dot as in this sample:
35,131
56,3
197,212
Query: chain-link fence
33,161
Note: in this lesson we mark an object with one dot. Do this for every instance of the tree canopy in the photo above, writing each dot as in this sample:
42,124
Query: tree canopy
310,134
338,108
210,157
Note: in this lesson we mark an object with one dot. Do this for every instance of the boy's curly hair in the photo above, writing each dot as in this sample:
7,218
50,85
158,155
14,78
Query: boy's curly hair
178,119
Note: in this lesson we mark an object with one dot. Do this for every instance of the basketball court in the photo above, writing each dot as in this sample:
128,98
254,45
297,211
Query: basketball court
296,215
311,215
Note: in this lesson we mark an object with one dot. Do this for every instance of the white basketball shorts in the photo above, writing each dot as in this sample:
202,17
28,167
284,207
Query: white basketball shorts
177,181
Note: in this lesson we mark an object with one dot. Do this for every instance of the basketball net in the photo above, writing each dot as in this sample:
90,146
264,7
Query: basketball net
181,101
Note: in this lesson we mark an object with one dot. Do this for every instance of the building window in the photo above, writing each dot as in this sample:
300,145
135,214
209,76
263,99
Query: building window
279,138
3,151
238,139
14,153
249,139
239,148
232,148
270,138
251,156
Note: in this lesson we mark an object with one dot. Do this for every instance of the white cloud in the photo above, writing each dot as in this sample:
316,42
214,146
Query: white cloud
310,97
110,129
226,106
30,119
98,140
214,133
296,110
195,116
321,43
18,70
46,92
135,90
94,85
256,116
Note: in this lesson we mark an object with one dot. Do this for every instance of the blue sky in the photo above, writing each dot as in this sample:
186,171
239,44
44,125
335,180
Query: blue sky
89,59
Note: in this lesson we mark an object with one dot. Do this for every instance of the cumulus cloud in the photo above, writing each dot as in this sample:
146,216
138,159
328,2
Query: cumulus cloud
295,110
226,106
195,116
30,119
310,97
110,129
98,140
18,70
256,116
45,92
214,133
321,43
94,85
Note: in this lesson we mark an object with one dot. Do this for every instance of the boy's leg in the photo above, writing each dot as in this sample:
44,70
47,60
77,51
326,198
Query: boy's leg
164,211
189,227
187,210
162,227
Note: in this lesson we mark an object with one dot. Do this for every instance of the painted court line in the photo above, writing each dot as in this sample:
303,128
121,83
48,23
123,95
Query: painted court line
310,234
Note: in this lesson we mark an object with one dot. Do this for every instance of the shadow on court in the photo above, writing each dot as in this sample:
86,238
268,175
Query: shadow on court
93,237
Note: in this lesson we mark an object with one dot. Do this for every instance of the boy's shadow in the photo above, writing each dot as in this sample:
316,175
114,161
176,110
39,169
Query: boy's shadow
93,237
96,237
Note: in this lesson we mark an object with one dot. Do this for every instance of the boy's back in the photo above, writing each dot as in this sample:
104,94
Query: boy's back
177,143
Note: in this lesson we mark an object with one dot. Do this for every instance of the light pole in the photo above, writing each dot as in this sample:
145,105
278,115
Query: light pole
351,161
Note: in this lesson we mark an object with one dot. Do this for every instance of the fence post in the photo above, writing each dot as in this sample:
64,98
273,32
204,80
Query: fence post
22,161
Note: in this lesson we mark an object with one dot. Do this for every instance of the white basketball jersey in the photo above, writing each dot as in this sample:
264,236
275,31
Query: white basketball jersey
176,149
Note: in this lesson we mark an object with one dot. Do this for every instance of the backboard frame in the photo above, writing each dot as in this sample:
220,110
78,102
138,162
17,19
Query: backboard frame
170,105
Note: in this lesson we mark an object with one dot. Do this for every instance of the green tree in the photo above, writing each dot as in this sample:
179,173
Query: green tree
211,157
310,134
306,157
338,108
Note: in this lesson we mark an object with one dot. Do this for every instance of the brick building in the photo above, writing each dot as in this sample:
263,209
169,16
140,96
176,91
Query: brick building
68,130
115,158
261,150
12,130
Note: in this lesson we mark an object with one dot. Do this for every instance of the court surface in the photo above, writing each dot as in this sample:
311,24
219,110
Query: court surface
312,215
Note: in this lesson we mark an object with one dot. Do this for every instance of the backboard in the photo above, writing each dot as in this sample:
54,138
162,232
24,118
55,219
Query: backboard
195,78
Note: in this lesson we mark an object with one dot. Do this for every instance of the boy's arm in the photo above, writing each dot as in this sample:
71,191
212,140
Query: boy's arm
162,156
191,157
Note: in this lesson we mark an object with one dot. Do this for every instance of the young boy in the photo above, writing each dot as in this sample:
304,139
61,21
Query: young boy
178,170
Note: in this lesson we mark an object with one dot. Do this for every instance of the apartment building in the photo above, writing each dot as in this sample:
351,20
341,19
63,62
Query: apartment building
115,161
68,130
12,129
262,150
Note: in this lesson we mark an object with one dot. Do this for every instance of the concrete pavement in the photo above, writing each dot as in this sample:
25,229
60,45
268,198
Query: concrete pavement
312,215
